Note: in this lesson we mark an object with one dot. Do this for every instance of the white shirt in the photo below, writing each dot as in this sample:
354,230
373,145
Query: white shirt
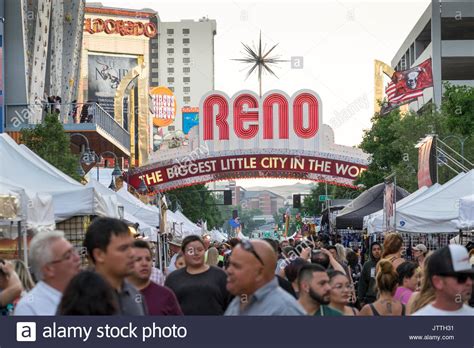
41,300
172,266
430,310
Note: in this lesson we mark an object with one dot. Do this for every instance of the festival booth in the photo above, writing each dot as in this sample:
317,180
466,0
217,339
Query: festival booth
48,196
437,211
370,201
374,222
466,213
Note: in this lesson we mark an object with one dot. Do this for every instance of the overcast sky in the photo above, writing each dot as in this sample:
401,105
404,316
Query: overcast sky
338,41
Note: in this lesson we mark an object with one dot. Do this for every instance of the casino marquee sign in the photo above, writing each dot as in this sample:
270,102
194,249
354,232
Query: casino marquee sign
277,136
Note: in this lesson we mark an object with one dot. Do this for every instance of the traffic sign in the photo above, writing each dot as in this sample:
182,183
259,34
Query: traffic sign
323,198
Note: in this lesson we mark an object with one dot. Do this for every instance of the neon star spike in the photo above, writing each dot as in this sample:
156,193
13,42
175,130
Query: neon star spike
260,61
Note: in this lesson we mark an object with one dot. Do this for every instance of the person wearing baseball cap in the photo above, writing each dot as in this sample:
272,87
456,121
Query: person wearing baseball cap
450,275
419,254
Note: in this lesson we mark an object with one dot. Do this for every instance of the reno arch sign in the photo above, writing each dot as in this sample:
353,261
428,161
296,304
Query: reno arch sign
246,137
276,122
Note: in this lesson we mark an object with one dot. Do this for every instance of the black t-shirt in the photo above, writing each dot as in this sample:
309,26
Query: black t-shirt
200,294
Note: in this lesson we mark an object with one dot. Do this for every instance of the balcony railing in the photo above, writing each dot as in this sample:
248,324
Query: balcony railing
73,116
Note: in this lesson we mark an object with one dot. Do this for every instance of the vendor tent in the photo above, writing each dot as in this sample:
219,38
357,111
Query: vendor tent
466,212
28,171
438,211
34,209
374,222
370,201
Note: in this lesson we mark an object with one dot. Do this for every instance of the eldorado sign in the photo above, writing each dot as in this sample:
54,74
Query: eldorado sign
243,136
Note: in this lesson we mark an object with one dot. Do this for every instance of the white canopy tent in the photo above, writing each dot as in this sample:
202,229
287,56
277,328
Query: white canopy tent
35,208
188,227
374,222
466,212
437,211
31,173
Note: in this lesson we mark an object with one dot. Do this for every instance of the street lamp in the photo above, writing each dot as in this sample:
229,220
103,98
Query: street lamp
87,156
461,141
115,173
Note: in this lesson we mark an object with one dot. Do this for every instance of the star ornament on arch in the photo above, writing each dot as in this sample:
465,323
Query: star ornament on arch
260,60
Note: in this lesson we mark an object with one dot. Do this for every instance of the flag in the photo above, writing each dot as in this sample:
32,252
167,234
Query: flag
427,163
388,202
407,85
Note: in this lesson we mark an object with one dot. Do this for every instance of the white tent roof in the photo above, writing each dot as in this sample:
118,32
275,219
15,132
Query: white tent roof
146,213
30,172
437,211
188,227
466,212
36,209
374,221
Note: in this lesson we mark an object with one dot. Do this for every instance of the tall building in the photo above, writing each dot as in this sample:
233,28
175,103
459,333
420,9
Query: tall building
185,62
445,33
41,48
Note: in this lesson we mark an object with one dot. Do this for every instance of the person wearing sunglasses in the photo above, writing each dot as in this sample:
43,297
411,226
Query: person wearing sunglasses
251,278
450,274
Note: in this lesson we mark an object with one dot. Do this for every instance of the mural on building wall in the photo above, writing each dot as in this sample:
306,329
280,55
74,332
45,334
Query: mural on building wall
104,75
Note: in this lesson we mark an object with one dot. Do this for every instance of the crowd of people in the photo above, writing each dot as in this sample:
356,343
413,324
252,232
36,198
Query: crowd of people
236,277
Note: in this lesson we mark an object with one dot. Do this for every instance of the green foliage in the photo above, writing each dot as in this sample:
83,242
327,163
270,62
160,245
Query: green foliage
391,139
197,203
458,105
49,141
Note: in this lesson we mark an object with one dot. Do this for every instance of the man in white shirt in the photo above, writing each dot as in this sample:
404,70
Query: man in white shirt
451,277
54,262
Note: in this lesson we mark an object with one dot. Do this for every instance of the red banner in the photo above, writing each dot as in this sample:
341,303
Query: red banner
425,163
272,164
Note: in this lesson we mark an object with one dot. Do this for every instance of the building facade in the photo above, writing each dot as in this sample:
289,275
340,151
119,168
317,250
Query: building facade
185,62
114,72
445,33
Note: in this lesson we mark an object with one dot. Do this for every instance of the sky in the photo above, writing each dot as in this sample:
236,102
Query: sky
338,42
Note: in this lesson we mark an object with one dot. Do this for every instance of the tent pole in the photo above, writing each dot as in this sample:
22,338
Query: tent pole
25,248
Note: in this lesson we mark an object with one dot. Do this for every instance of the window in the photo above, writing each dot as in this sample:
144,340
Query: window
185,31
170,60
170,70
170,41
186,79
187,99
154,50
154,75
186,50
153,80
186,89
170,79
186,69
170,31
154,60
186,40
170,50
154,70
171,89
186,60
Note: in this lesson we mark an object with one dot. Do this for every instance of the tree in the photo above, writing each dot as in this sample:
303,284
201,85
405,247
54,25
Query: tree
197,203
391,139
49,141
246,218
458,105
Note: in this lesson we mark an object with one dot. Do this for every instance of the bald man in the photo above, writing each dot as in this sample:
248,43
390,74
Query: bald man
251,278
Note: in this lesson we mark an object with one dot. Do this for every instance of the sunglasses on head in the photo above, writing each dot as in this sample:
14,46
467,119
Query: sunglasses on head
247,246
460,277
